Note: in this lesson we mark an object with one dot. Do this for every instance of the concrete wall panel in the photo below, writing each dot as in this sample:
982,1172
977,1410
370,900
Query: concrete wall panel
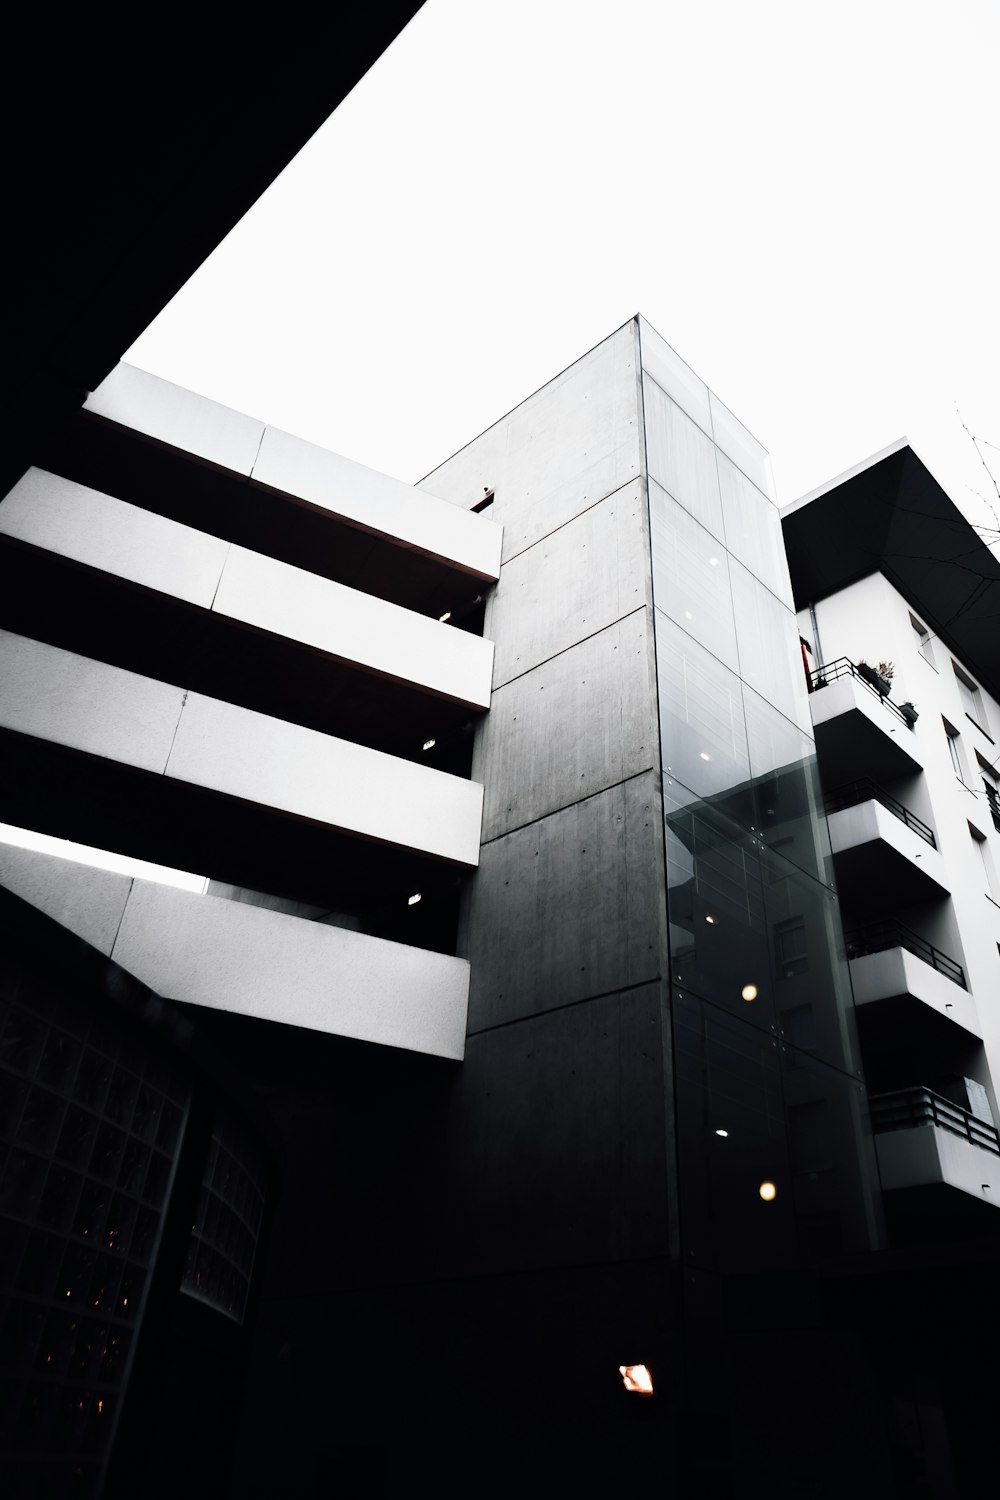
230,956
75,521
355,627
173,415
68,699
564,448
88,902
577,724
311,775
574,582
378,503
567,908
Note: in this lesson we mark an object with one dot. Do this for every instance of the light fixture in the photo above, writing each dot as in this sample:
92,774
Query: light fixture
636,1378
704,755
443,618
429,744
768,1191
412,901
688,615
749,992
713,562
723,1133
711,920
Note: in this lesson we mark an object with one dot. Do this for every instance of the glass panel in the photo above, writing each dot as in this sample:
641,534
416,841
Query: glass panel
788,798
753,530
674,376
691,576
731,1141
681,457
715,909
701,717
770,654
742,447
834,1177
812,987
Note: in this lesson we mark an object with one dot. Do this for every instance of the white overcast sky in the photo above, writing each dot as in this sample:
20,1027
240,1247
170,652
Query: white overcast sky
803,198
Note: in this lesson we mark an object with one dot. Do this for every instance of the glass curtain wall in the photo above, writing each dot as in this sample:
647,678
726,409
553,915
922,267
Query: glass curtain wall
775,1154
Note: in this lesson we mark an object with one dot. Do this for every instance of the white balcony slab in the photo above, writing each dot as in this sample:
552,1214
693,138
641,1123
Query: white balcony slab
858,736
379,504
356,627
229,956
311,775
81,523
872,828
71,700
927,1155
167,412
897,972
87,901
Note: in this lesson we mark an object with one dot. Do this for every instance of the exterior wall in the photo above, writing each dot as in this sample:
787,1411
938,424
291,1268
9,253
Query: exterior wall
872,620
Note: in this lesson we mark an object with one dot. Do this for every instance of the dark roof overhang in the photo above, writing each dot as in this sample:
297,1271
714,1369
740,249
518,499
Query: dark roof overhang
890,515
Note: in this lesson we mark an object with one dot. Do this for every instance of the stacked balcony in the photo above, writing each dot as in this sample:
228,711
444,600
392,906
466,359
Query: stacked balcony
229,652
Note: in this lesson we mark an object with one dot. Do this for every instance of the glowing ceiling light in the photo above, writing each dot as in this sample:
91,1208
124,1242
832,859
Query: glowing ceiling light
723,1133
636,1378
412,901
711,920
749,992
704,755
445,617
429,744
713,562
768,1191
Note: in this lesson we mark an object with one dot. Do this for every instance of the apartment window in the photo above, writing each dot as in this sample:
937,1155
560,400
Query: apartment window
986,858
991,784
954,749
971,698
791,948
923,640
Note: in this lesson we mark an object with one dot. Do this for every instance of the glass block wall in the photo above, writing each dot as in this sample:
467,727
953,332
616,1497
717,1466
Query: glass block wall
774,1153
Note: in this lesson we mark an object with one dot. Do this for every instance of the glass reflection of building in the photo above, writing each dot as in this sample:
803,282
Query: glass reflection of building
768,1083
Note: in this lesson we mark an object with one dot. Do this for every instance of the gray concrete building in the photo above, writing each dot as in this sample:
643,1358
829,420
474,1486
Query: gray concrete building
506,1027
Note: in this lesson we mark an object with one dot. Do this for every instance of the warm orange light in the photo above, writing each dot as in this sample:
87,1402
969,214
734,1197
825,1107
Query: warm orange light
636,1378
749,992
768,1191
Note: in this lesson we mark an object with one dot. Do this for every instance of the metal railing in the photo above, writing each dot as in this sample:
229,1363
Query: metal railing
906,1108
852,793
879,937
844,667
994,800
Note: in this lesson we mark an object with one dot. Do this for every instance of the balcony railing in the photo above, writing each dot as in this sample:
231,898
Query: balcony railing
844,667
855,792
906,1108
879,937
993,798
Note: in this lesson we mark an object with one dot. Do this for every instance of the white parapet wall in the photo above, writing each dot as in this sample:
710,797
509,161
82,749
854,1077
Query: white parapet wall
77,522
356,494
205,950
87,705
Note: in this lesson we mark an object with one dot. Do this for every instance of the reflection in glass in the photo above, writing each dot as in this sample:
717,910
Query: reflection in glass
691,576
753,530
681,457
715,909
788,798
770,655
741,445
673,376
701,717
809,966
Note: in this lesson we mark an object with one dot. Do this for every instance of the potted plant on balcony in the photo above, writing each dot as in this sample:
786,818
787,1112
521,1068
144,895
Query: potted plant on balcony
909,712
880,677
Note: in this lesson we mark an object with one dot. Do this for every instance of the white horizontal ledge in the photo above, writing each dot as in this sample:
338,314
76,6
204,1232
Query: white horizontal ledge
77,522
204,950
351,491
373,501
170,414
87,705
